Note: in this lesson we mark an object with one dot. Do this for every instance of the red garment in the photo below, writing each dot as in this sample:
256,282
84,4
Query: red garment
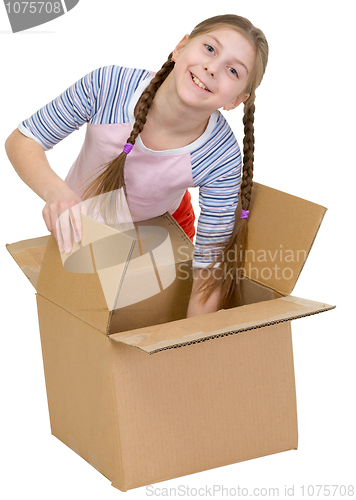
185,216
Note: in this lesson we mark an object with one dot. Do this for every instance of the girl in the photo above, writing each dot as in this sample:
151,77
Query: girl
156,136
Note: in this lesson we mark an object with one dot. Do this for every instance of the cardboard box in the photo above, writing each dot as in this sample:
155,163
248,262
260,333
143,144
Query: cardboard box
143,393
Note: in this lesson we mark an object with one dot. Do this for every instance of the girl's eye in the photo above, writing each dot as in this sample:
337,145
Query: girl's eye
234,72
209,48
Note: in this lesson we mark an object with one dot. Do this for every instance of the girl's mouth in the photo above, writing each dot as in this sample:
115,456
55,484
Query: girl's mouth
198,83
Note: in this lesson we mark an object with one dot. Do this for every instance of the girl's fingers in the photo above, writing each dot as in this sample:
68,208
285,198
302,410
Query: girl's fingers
62,218
47,220
56,231
76,222
64,229
83,208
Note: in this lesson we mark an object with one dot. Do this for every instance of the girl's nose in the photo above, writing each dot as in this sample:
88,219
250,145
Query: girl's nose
212,67
209,69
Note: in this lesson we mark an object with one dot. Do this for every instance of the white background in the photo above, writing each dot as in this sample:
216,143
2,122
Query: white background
305,132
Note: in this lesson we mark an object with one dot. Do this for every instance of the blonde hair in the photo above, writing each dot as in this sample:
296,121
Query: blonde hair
112,178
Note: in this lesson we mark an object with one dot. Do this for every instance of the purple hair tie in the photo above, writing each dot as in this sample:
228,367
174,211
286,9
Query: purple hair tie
127,148
244,214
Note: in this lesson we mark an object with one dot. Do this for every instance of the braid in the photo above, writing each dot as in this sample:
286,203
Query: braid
147,97
228,273
225,270
112,177
248,149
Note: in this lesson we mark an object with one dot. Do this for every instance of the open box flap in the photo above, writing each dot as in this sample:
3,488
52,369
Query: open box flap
29,254
98,277
281,231
225,322
105,272
160,264
87,280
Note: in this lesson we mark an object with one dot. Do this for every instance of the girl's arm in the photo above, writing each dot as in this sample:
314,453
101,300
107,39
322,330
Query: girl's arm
79,104
195,307
51,124
30,162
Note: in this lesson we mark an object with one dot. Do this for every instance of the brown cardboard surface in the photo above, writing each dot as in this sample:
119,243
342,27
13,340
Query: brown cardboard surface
141,419
252,292
28,254
206,405
115,273
225,322
220,387
80,293
77,361
103,251
102,280
159,309
281,231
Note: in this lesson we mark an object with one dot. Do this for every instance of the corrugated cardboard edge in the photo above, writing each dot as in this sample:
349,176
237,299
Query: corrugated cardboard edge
172,221
137,338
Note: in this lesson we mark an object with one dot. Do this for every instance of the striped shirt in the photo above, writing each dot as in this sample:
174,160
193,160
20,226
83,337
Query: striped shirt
156,180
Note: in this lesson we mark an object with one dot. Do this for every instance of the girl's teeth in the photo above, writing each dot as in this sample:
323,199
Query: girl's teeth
198,82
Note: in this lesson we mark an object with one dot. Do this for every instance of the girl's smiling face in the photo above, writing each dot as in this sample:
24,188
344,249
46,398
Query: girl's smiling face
212,70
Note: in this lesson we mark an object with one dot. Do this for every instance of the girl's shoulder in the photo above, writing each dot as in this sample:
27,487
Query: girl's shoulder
109,91
222,124
120,76
220,137
218,157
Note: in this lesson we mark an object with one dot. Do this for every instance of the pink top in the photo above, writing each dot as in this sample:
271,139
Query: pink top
153,187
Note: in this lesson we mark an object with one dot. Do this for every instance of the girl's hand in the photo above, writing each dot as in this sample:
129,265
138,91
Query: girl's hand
62,215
